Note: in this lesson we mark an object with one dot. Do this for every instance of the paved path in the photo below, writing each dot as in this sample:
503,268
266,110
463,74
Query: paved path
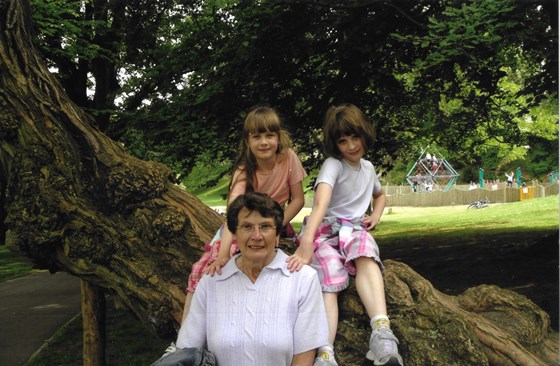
32,309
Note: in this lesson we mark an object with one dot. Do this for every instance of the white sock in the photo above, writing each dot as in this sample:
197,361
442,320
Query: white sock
380,321
328,348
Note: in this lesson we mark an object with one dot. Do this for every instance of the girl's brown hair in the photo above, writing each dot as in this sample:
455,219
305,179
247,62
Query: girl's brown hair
260,119
345,120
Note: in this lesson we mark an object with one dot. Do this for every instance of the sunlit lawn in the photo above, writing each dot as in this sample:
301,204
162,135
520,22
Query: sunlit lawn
458,221
451,221
216,196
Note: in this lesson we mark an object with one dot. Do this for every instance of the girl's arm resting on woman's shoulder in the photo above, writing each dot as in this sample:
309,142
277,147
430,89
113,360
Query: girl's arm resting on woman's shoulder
297,200
223,255
304,359
304,252
226,239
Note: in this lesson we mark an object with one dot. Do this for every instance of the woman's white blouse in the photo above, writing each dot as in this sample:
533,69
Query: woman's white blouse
263,323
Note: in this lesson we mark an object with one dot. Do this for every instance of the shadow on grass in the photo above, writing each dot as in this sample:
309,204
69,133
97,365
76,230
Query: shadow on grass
128,342
525,262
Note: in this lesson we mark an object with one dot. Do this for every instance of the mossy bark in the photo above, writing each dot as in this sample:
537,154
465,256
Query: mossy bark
74,200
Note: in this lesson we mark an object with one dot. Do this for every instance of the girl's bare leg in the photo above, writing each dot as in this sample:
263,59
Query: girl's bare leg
331,307
369,283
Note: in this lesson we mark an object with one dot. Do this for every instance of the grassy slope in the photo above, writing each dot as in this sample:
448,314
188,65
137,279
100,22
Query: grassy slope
216,196
128,343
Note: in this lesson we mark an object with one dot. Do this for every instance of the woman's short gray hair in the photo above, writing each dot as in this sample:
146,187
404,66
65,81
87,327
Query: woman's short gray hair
255,201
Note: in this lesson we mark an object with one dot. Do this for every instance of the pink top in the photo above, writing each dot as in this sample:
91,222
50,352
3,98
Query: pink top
276,183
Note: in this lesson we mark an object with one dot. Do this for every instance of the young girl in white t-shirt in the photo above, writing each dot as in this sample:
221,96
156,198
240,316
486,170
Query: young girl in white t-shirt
335,237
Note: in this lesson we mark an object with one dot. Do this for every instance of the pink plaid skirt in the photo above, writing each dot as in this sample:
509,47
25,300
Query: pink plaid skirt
336,245
211,251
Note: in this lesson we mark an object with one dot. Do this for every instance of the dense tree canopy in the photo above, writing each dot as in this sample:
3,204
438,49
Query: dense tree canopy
173,79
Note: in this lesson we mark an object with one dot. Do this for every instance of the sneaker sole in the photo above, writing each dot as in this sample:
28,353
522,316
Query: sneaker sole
393,361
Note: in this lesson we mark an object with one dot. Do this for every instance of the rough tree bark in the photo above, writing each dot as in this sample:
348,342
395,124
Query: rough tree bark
94,317
74,200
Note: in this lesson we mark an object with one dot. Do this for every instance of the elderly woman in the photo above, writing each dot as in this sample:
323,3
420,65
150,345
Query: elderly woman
257,312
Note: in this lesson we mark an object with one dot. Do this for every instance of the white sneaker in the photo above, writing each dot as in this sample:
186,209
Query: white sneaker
383,349
169,350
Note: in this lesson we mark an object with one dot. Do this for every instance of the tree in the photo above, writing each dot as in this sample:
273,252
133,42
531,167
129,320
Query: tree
74,200
426,72
66,188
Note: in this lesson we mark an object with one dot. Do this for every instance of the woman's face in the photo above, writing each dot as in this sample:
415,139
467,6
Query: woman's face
256,236
263,145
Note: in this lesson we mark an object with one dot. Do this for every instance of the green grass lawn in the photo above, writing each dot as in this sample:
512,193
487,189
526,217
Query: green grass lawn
401,223
216,196
129,343
12,265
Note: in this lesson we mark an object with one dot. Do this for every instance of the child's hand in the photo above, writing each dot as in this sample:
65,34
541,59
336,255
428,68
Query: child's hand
216,266
370,222
303,255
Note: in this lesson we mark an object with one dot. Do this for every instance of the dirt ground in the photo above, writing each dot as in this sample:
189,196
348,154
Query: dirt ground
527,263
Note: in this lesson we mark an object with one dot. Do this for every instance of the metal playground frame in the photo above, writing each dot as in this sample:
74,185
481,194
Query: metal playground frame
430,170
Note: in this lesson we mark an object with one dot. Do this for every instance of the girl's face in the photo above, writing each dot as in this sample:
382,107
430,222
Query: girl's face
351,148
263,145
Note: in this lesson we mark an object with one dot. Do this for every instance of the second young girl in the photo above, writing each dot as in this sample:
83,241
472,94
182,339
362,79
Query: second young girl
266,164
335,236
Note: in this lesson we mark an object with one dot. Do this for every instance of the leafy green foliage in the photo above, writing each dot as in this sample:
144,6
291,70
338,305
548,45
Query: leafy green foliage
179,76
206,172
61,20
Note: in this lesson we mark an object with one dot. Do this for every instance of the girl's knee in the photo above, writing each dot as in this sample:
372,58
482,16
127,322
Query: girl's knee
367,262
364,261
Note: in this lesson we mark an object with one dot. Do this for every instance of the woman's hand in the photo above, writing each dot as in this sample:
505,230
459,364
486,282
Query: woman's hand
303,255
216,266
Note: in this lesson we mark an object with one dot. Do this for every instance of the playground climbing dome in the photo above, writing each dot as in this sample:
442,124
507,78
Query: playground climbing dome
430,172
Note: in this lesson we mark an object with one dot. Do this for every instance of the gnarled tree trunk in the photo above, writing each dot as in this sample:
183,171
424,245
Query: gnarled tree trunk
486,325
74,200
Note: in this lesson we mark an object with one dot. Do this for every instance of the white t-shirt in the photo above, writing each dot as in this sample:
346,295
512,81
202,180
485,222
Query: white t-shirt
262,323
352,188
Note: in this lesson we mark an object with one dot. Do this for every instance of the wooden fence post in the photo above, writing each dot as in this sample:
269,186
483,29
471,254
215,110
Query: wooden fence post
93,319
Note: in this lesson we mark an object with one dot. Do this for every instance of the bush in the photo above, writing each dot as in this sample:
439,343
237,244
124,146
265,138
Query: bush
206,173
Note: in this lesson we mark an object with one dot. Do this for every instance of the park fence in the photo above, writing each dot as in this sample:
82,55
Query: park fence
461,195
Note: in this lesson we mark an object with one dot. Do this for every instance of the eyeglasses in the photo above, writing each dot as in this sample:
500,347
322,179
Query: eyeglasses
250,228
